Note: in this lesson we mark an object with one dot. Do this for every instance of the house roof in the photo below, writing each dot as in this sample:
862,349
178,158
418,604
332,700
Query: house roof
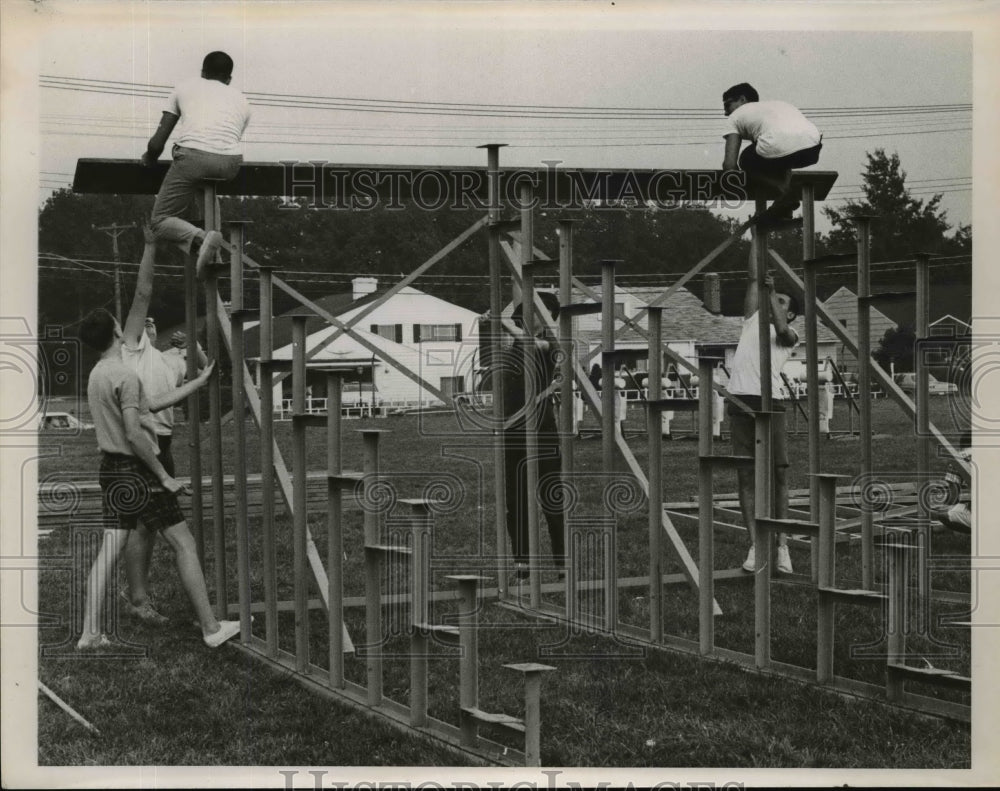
685,318
946,300
335,304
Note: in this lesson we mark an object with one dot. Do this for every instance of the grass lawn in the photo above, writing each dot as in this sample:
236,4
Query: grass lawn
609,704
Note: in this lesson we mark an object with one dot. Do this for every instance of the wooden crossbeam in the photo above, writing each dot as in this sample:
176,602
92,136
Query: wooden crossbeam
358,186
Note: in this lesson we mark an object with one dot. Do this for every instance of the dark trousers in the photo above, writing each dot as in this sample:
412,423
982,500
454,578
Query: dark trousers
516,478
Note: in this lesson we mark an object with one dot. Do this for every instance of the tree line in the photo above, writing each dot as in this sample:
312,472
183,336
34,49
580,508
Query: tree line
320,251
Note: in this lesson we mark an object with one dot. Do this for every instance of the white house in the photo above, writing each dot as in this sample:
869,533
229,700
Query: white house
434,340
689,327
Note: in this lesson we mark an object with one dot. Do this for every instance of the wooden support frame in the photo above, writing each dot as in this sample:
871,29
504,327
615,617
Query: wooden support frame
268,648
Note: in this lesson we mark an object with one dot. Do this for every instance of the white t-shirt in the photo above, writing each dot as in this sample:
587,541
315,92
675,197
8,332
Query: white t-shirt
213,115
745,379
778,128
112,388
157,378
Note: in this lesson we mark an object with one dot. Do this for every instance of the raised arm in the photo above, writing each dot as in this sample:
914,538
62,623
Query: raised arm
135,323
178,394
784,334
158,141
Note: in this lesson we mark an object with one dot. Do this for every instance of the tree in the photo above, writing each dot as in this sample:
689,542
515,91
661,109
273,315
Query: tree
896,347
905,225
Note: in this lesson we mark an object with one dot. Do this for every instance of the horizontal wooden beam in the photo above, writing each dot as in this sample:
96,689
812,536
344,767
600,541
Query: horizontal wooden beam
363,186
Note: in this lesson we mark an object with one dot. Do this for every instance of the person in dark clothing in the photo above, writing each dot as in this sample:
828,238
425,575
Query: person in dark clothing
534,359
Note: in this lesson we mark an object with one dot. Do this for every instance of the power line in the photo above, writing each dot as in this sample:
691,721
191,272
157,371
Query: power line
413,107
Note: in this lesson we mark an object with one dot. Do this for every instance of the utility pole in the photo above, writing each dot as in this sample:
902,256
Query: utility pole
114,231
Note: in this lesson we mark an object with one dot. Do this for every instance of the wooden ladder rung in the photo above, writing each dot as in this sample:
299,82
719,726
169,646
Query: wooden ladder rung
389,549
310,419
346,479
854,596
449,634
727,461
931,675
580,308
503,720
795,526
673,404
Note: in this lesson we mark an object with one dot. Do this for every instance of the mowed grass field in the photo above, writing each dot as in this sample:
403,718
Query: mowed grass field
166,699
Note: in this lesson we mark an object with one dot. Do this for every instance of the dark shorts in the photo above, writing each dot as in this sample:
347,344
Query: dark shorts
744,433
750,160
130,493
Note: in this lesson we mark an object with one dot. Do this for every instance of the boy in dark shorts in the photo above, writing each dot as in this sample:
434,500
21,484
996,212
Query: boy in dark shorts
134,484
782,139
745,383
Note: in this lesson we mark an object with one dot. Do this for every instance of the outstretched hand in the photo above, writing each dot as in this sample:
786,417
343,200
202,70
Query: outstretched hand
205,374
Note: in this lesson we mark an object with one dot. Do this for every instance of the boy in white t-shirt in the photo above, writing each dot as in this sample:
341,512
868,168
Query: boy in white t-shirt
782,138
213,117
745,383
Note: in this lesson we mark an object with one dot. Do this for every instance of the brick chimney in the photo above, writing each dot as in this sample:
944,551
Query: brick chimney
712,297
363,286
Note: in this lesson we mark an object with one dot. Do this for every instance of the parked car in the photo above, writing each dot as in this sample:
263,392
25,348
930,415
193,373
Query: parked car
62,421
908,384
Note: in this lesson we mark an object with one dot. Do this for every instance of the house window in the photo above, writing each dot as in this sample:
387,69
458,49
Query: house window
391,332
426,333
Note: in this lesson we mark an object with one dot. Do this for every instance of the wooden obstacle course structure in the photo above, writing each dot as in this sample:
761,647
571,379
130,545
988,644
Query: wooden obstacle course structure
522,259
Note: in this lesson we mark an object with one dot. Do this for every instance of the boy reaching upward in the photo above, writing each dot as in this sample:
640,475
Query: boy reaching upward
745,382
134,484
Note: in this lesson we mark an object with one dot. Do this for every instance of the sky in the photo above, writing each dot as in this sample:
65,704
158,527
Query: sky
466,54
844,62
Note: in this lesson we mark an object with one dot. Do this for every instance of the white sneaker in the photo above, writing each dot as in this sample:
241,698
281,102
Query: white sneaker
206,253
227,629
784,560
750,564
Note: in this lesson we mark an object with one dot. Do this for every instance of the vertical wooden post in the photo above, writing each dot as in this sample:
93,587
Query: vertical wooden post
758,270
812,357
922,398
468,641
532,673
706,509
896,545
496,385
238,314
763,539
567,401
266,383
825,576
863,225
608,392
373,573
532,387
419,612
215,417
299,494
654,395
194,406
335,529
